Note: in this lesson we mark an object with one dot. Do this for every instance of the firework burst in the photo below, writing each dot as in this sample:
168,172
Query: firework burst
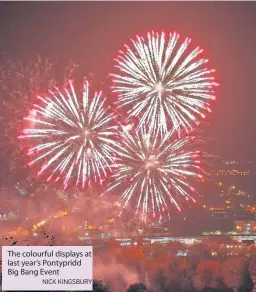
159,79
73,137
153,171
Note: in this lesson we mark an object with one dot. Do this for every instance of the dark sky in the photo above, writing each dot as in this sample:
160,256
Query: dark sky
93,32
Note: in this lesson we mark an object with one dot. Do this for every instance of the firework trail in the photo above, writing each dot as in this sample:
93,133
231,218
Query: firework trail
73,138
152,171
160,80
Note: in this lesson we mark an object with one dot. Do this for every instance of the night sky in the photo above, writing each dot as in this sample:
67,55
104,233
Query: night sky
93,32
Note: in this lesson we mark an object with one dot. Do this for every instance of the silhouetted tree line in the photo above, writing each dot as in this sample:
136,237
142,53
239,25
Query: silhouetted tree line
184,284
207,276
246,285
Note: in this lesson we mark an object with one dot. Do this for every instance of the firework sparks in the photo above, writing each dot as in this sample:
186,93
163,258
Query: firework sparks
152,171
73,137
159,81
19,82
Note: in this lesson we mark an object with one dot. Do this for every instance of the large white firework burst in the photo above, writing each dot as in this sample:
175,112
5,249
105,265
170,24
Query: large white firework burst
161,80
73,137
153,171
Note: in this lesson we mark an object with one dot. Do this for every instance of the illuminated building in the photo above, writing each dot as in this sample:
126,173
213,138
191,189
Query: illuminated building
8,216
7,210
230,181
233,183
233,172
85,225
230,162
233,168
19,232
251,209
245,226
